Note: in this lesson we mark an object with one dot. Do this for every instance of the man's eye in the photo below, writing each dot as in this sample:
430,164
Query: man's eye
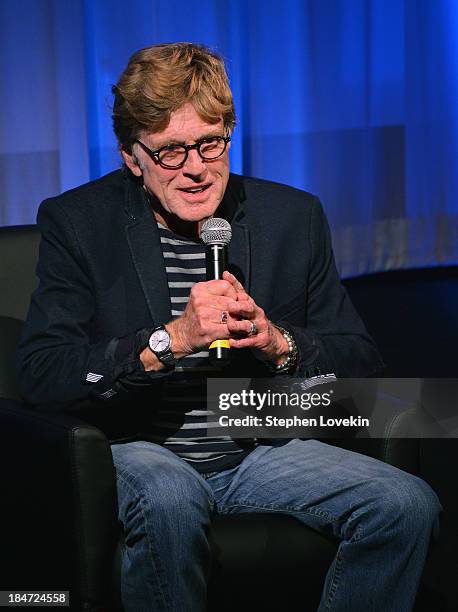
209,144
171,153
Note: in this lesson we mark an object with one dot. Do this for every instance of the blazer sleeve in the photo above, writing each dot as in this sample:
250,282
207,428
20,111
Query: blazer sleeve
334,339
56,360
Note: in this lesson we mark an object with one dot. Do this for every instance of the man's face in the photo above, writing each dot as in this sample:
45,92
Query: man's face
172,186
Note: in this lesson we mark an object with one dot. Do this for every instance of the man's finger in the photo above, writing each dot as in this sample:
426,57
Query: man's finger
221,302
243,308
221,287
235,283
249,342
239,327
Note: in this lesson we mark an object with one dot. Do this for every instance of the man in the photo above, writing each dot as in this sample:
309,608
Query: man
120,325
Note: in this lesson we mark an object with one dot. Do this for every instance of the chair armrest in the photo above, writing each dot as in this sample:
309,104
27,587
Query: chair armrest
394,435
60,508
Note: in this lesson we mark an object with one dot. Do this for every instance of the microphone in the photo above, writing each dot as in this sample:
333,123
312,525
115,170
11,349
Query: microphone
216,235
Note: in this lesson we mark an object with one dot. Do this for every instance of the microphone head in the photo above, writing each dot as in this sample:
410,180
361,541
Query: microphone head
216,231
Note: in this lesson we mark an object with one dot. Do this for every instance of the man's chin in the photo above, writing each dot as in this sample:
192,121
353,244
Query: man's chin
196,212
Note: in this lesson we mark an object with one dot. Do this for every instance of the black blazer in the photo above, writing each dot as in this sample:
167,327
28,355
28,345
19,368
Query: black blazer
103,287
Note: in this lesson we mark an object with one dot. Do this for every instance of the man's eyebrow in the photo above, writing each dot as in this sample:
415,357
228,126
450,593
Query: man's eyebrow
176,141
210,135
170,141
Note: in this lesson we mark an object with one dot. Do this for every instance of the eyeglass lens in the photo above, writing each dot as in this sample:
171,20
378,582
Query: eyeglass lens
175,155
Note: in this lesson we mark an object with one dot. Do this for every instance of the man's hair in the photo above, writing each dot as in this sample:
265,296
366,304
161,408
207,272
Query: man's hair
158,80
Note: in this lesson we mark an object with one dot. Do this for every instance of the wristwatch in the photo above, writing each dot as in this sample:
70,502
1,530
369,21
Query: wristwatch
160,343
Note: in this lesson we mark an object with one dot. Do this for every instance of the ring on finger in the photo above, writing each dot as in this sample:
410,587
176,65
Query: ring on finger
253,330
224,316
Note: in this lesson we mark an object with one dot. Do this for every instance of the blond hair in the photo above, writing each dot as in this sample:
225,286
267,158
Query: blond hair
158,80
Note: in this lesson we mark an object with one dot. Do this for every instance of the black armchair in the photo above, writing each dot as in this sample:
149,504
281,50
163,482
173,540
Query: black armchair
60,527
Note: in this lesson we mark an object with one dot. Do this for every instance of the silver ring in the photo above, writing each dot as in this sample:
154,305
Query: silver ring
253,330
224,316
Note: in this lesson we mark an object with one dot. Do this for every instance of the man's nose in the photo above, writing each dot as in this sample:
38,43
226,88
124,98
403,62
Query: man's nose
194,164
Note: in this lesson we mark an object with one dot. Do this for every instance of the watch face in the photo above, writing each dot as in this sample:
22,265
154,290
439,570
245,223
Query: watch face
159,341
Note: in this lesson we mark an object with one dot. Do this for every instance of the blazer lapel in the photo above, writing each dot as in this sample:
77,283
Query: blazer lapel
145,247
239,247
239,254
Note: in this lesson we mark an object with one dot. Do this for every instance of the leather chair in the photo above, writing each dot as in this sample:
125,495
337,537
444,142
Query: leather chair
60,528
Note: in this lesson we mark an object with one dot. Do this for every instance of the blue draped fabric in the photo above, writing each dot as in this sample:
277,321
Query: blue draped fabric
354,100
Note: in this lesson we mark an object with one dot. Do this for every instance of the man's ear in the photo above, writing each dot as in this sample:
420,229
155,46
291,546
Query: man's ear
131,162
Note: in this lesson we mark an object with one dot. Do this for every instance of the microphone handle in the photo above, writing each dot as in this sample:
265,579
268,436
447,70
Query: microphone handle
216,260
216,263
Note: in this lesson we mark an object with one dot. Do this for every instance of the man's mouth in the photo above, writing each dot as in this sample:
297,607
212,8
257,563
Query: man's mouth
199,189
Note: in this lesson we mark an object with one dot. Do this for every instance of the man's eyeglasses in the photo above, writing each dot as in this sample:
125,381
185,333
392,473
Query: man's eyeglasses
175,155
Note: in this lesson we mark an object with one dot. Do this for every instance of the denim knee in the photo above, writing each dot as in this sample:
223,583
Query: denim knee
421,502
178,492
165,494
406,505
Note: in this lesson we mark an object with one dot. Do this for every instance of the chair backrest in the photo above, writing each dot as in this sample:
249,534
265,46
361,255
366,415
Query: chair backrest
18,260
411,314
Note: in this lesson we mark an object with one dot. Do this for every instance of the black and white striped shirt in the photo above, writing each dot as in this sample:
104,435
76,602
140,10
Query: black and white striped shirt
180,424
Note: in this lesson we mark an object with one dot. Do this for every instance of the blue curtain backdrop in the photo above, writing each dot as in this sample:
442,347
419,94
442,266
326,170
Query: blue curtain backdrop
354,100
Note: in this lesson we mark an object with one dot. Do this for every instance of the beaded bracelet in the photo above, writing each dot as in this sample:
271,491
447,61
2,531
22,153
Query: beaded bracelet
290,363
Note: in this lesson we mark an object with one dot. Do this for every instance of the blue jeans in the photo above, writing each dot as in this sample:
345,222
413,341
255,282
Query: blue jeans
382,517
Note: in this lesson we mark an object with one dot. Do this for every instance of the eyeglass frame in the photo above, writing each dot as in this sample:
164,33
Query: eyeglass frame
155,153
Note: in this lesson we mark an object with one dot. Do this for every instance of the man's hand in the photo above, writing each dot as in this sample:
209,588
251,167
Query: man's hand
200,323
268,342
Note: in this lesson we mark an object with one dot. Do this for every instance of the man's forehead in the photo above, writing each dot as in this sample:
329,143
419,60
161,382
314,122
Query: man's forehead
185,126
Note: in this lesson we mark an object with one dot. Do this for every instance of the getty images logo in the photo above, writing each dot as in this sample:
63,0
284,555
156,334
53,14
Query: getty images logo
273,399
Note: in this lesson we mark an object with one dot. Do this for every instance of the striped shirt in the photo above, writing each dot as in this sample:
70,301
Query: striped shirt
181,421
